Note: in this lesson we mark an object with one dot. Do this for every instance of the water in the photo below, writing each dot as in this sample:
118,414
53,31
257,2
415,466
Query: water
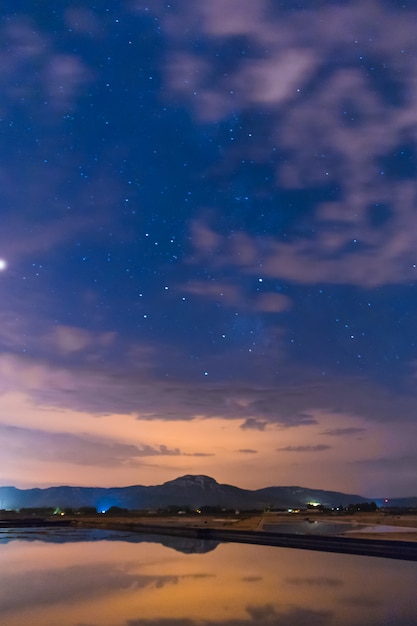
313,528
92,578
317,527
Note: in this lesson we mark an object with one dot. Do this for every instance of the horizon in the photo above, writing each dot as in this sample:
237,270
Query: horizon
239,486
208,244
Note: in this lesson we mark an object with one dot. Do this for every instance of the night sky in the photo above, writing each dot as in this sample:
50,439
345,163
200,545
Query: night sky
208,243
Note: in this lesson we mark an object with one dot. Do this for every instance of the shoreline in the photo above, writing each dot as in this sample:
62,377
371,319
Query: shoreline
383,548
377,535
249,529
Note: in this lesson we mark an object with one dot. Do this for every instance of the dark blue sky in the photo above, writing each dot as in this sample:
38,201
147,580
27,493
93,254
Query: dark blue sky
209,243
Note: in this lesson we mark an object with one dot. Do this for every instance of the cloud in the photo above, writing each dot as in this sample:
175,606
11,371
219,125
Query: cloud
343,432
248,451
84,21
60,345
315,581
228,294
198,454
46,85
69,339
253,424
261,615
338,252
52,447
125,389
47,79
64,77
342,128
318,448
233,295
44,234
272,303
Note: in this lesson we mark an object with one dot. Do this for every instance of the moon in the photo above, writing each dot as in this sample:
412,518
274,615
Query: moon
3,265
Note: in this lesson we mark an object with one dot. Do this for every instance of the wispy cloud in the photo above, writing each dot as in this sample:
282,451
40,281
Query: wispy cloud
317,448
321,135
315,581
253,424
50,381
343,432
76,449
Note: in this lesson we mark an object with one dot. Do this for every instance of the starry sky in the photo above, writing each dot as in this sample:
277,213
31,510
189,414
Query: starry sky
208,243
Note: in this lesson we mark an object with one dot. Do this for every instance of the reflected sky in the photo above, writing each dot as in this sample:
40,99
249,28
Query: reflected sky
120,583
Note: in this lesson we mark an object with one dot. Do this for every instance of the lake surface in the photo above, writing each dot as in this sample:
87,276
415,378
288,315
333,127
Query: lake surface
101,578
313,528
317,527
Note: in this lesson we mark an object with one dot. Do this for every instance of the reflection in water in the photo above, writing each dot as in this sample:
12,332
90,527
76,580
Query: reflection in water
313,528
113,579
64,535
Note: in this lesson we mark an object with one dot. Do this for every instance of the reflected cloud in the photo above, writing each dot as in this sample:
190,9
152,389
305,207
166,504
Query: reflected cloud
145,584
47,587
75,535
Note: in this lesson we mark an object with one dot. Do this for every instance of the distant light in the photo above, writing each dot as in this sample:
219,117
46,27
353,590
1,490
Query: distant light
3,265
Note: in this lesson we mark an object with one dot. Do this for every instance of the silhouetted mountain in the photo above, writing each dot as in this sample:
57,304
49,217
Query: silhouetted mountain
186,491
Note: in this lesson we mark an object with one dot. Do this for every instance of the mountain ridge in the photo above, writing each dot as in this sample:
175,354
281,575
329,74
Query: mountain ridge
188,491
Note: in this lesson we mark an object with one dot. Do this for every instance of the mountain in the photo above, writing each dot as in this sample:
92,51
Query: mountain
186,491
402,503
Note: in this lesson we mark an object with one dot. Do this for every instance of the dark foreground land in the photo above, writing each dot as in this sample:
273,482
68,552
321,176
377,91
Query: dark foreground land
249,529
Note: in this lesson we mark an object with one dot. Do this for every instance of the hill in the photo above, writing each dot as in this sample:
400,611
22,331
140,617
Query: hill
190,491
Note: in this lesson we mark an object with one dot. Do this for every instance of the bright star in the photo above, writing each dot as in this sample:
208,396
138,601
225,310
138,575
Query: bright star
3,265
